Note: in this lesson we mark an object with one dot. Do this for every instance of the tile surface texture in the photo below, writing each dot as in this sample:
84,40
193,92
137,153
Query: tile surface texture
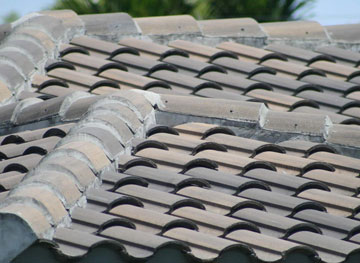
145,145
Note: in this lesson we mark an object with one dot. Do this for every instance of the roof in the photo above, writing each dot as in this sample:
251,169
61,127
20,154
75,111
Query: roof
169,139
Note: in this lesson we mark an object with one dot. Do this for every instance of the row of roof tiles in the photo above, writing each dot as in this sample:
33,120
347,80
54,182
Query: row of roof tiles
73,106
41,141
147,205
170,173
35,38
225,77
104,24
164,74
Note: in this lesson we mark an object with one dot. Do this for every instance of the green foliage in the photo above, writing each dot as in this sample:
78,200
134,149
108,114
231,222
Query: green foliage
261,10
136,8
10,17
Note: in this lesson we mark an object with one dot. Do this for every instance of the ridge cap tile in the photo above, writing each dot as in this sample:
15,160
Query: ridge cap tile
295,30
110,26
164,25
239,27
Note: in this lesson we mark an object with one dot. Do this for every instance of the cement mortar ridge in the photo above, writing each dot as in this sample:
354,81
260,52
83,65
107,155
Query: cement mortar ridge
30,235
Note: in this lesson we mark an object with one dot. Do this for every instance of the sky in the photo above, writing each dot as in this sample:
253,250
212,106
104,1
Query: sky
326,12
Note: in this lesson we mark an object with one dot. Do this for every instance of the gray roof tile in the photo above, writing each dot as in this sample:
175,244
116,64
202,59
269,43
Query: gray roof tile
163,25
347,32
295,30
104,25
244,27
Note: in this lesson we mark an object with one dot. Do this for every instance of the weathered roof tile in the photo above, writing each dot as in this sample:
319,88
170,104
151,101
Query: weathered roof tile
164,25
243,27
216,108
295,30
296,122
105,25
46,197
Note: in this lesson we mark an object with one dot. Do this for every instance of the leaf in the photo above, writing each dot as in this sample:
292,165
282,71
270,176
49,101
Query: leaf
261,10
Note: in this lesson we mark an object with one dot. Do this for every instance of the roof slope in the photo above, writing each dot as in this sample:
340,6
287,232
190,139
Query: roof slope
166,138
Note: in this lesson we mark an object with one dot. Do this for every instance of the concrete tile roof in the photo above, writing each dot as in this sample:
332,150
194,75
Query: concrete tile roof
166,137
